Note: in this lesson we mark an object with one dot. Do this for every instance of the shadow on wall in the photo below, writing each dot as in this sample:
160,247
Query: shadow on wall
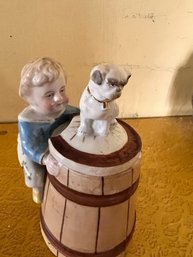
182,90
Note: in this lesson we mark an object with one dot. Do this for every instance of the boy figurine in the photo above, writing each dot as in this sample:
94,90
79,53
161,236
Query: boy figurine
42,86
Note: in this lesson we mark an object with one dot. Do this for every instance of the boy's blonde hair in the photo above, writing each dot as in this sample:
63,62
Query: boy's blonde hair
39,72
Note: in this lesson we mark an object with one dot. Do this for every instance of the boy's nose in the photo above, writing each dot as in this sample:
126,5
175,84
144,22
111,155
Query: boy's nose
58,98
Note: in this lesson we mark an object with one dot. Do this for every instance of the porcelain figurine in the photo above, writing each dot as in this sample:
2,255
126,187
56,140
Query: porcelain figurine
42,86
88,208
97,104
98,112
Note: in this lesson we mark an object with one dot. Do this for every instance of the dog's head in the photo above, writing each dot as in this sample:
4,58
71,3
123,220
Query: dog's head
107,81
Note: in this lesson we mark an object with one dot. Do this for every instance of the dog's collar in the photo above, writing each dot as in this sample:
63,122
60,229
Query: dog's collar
105,102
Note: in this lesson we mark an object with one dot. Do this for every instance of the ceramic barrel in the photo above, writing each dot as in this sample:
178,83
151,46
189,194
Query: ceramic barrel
88,210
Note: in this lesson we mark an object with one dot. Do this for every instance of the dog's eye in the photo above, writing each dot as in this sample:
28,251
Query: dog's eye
112,82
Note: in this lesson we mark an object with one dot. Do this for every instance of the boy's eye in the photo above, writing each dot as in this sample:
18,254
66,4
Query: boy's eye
62,90
51,95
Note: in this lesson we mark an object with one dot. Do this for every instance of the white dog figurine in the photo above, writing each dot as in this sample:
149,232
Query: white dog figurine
98,109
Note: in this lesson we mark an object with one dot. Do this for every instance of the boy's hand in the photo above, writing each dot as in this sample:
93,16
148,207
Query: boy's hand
53,167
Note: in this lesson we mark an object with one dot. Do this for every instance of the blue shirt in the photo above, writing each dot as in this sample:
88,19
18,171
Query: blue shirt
34,135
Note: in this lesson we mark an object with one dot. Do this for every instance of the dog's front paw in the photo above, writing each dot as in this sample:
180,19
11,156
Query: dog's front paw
84,131
85,127
113,123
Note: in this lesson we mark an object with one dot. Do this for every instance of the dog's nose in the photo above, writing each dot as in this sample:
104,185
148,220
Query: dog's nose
118,88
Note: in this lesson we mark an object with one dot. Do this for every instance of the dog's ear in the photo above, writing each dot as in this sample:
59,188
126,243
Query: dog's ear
128,77
97,77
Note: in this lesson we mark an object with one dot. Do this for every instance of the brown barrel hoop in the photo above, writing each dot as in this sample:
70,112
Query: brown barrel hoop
126,153
66,251
90,199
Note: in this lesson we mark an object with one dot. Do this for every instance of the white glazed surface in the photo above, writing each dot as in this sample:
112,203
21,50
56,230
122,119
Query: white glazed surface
98,108
85,169
113,141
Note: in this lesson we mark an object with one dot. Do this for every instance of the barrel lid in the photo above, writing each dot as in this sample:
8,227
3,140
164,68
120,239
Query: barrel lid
114,141
120,146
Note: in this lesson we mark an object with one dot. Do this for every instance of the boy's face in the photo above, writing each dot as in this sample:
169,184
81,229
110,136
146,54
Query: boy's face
49,98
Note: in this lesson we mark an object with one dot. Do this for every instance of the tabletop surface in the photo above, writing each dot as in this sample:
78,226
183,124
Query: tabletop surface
164,225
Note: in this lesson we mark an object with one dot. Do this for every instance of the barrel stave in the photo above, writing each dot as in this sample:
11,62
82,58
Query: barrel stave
79,230
112,226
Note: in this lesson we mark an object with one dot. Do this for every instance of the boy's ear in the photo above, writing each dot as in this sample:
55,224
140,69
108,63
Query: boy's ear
97,77
25,93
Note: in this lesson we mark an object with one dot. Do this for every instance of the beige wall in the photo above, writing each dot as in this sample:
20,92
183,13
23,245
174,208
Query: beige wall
153,38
